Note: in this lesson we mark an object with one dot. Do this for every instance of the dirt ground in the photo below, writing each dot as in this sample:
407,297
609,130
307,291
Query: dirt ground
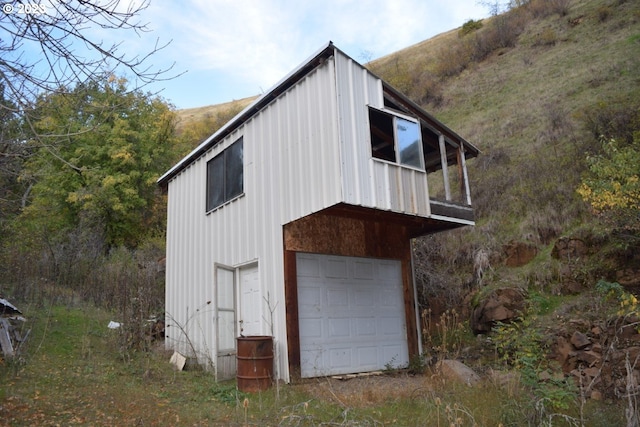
368,390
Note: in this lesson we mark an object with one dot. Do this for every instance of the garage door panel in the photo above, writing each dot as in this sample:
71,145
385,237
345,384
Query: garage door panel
339,328
351,313
336,268
393,354
363,270
341,357
390,326
309,297
363,297
366,326
312,327
338,296
367,357
308,267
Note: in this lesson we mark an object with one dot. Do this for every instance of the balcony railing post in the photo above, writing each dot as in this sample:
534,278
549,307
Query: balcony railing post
464,178
445,171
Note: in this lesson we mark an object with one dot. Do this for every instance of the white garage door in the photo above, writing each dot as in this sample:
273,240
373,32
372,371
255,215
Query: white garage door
351,313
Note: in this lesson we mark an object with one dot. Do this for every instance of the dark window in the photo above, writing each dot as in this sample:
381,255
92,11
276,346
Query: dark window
395,139
224,176
382,146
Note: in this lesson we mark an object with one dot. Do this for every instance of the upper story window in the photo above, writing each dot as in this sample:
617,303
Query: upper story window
396,139
225,176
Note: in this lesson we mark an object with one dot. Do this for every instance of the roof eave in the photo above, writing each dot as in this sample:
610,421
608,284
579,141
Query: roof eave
422,114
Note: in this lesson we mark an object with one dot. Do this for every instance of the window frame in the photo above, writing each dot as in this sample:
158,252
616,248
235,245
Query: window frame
226,167
397,153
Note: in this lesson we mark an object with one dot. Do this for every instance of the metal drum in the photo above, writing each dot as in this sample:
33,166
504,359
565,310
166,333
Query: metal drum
255,363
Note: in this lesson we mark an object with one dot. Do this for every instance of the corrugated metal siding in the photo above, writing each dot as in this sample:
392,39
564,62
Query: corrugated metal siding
291,169
368,182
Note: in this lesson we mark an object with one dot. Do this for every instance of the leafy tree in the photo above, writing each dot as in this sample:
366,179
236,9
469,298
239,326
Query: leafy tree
612,186
100,170
12,151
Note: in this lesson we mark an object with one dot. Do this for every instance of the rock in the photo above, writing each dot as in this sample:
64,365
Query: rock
562,351
501,305
580,340
592,372
596,395
569,249
569,284
518,254
596,331
457,371
628,277
588,358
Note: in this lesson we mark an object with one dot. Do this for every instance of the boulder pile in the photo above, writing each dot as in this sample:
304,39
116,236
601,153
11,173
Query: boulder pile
604,359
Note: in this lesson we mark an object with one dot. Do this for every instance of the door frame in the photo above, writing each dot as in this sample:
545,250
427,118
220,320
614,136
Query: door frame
224,358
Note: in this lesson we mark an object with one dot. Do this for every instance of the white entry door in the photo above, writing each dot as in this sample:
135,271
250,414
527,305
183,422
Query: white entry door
251,321
351,314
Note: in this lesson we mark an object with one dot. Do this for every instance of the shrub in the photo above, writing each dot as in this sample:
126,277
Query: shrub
544,8
547,37
618,120
469,27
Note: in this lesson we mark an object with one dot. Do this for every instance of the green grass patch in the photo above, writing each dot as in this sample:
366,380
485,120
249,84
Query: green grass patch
73,373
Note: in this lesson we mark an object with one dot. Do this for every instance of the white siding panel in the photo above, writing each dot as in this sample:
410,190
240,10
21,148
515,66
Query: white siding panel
291,169
357,88
381,185
399,189
368,182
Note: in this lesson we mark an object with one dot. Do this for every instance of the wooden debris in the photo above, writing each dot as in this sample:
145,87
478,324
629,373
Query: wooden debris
10,337
360,375
5,338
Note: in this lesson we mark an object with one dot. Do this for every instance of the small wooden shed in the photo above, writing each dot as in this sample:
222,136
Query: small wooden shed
295,219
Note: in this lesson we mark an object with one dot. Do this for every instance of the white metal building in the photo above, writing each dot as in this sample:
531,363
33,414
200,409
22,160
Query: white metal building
294,220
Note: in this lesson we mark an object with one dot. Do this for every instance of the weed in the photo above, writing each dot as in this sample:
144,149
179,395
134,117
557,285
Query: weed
445,336
629,304
522,346
417,365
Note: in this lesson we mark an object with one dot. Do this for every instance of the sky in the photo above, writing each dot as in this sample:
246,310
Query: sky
223,50
232,49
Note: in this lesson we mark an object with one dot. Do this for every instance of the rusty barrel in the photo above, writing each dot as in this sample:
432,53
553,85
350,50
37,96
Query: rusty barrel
255,363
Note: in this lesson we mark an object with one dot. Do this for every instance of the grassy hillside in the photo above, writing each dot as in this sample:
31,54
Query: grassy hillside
533,107
191,116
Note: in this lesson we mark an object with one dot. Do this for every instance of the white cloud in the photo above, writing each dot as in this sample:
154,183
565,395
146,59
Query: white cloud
258,42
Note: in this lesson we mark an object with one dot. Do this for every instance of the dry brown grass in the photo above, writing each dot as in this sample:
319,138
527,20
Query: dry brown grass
189,116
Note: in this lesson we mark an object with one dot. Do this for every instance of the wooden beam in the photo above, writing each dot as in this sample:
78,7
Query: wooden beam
291,307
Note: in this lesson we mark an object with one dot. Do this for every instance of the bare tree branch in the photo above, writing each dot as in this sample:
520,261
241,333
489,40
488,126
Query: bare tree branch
54,48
